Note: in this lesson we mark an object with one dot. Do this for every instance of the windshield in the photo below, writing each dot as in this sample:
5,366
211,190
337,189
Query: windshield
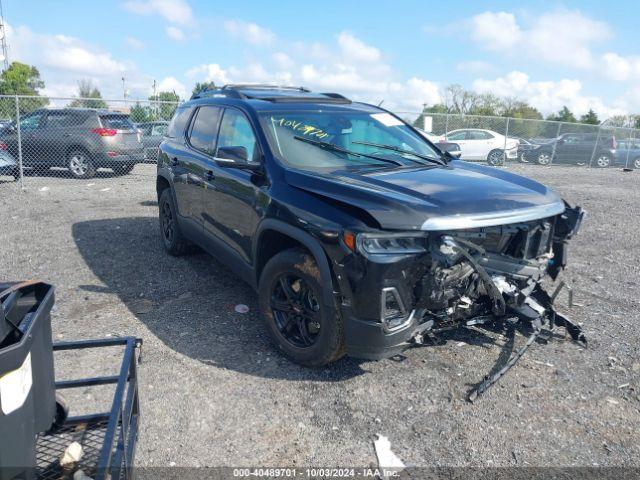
363,140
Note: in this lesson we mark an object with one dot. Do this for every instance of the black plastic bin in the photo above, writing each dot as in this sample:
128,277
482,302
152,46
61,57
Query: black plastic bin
27,381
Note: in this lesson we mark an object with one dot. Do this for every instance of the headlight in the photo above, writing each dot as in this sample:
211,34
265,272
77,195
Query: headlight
392,244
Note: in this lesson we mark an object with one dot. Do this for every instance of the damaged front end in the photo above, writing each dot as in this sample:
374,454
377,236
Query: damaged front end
477,276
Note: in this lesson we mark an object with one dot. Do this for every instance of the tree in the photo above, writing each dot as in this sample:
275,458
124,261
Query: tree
564,115
165,111
590,117
201,87
87,92
139,113
21,79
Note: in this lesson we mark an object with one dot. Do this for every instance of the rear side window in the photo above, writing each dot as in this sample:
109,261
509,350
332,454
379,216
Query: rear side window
117,122
63,119
179,122
205,128
478,135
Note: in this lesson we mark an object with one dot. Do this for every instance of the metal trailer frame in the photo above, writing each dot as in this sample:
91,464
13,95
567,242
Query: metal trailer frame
111,436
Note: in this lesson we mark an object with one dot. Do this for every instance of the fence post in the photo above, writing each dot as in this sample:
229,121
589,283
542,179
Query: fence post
504,150
630,141
446,125
595,147
555,142
19,142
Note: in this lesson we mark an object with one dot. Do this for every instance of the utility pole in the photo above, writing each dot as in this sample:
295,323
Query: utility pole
124,90
3,41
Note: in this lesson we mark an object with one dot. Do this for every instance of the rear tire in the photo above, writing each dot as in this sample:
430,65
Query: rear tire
123,169
172,239
299,323
495,157
80,164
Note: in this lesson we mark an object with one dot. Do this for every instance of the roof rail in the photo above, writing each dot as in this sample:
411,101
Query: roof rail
260,86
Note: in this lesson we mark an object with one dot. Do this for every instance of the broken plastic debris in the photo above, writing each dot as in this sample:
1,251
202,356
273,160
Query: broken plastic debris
105,189
241,308
72,454
389,462
43,189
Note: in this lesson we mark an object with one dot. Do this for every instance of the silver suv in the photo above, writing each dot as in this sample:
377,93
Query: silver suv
80,139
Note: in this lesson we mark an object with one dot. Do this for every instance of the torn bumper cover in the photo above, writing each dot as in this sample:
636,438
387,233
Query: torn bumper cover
461,278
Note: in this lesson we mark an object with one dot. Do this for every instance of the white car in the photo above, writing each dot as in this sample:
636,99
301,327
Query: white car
481,144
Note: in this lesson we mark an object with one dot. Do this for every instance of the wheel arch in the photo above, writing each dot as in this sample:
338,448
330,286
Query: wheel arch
77,146
274,236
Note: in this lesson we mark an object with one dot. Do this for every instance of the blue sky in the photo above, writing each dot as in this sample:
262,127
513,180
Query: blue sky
583,54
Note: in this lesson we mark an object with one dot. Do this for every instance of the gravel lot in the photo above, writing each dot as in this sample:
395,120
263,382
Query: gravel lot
215,393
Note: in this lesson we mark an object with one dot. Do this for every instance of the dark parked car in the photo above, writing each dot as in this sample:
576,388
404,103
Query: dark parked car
81,139
359,234
575,148
525,146
628,154
152,135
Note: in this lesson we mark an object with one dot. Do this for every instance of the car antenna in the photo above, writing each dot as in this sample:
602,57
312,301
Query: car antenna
381,102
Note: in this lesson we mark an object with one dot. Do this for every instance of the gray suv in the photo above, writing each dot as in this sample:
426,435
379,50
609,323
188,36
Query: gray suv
80,139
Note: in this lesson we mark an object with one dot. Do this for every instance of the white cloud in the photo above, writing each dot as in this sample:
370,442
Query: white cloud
64,60
249,32
61,52
211,72
561,37
172,84
135,43
356,49
547,96
175,11
349,66
174,33
496,30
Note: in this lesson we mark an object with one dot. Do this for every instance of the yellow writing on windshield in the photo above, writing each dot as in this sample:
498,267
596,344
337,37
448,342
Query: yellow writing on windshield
300,127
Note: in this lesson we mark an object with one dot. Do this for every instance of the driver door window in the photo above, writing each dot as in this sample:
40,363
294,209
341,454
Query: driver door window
235,131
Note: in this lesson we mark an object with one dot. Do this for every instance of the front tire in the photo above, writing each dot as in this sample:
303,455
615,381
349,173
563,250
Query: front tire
80,164
543,159
603,161
172,239
299,323
636,163
495,157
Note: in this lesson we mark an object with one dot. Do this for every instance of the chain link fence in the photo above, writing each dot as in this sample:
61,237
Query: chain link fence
82,138
500,140
79,138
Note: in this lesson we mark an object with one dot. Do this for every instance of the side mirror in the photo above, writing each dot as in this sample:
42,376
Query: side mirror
235,157
235,154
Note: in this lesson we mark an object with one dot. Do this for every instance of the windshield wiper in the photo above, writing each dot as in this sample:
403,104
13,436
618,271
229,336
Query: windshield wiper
336,148
402,150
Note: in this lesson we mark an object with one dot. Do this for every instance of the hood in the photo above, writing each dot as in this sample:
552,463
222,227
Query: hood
460,195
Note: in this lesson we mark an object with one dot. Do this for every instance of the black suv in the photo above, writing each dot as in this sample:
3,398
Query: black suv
80,139
360,236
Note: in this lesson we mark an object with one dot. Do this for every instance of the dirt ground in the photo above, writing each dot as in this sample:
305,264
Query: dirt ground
215,393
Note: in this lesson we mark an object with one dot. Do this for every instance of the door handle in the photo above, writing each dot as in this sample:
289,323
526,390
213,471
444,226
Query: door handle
209,175
174,162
